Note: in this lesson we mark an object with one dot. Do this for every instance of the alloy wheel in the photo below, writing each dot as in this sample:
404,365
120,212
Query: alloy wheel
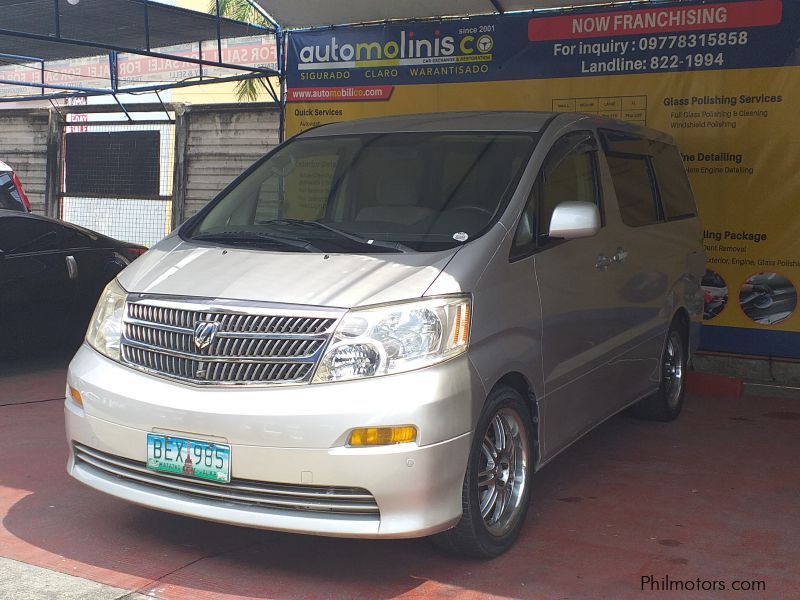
673,370
503,470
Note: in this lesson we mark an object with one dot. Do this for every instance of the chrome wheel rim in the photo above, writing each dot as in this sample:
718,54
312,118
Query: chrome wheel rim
673,370
503,471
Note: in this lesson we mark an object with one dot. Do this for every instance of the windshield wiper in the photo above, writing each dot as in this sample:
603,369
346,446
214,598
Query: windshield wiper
385,244
254,237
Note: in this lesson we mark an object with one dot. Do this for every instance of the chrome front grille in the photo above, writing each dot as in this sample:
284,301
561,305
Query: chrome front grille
343,501
249,344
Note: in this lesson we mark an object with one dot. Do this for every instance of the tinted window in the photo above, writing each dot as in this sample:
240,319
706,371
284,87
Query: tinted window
618,142
426,191
673,183
570,179
568,175
9,196
74,238
633,185
22,235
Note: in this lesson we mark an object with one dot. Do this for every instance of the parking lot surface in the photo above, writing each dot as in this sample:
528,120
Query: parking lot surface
714,496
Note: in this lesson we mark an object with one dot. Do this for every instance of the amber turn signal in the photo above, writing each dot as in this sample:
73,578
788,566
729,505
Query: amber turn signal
382,436
76,396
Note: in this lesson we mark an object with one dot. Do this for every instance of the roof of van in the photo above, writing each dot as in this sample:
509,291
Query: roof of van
451,121
521,121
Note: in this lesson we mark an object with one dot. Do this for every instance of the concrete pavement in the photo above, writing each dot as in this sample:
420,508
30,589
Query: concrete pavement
19,580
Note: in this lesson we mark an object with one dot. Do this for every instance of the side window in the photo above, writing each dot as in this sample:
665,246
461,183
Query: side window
565,179
569,174
634,188
74,239
649,178
673,183
525,236
22,235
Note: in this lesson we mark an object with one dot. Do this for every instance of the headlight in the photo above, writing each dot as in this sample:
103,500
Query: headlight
396,338
105,328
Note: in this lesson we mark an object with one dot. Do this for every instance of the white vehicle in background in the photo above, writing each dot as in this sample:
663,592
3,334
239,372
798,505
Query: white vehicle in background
12,197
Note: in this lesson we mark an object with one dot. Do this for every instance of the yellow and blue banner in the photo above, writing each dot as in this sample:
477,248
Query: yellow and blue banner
722,78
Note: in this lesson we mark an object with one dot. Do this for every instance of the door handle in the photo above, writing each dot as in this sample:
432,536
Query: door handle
603,262
72,267
620,255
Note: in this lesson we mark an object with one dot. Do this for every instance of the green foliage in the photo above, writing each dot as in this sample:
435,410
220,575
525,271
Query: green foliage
241,10
249,90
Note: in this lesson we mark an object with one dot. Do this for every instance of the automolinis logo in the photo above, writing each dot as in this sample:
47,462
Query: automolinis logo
407,49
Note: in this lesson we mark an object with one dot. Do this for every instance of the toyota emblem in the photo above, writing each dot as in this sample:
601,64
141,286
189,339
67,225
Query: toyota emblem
204,333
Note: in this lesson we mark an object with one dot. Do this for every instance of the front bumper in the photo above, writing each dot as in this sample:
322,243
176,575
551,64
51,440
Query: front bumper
288,435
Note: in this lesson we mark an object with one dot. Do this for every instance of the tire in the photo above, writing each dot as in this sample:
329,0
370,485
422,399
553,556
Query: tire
504,488
666,404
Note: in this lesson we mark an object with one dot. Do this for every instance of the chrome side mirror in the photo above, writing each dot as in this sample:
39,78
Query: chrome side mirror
573,220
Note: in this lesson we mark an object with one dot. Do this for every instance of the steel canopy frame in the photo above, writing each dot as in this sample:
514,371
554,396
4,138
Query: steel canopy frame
323,14
60,47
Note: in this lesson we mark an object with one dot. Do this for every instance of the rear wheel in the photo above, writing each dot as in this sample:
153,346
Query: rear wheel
667,402
496,488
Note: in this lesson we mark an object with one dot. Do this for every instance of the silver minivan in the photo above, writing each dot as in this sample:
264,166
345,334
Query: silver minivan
384,328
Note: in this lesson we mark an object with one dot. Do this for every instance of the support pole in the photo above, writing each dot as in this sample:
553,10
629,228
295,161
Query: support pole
113,71
96,92
281,39
146,26
271,90
57,18
219,35
163,106
55,157
267,17
122,106
179,172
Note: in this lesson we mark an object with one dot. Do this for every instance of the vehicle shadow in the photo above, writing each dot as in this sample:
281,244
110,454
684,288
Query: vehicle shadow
610,508
33,378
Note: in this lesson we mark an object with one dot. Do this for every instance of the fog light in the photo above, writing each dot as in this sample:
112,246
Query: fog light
382,436
76,396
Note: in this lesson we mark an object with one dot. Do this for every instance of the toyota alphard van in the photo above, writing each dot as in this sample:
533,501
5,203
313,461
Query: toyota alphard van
384,328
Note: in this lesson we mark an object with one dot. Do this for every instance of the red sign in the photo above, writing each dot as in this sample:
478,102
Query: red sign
136,70
697,17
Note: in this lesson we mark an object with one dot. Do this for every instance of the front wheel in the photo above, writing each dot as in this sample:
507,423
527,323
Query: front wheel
496,488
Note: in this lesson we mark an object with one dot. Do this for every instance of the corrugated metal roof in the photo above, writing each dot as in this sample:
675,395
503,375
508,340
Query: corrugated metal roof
119,23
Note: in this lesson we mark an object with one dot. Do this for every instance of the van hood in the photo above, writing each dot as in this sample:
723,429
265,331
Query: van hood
178,268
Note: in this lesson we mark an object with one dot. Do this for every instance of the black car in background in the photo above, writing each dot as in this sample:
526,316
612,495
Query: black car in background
51,276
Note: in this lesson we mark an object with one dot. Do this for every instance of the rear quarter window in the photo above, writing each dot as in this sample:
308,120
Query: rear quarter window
649,178
634,188
673,182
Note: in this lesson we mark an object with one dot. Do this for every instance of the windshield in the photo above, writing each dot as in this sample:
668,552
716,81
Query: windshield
395,192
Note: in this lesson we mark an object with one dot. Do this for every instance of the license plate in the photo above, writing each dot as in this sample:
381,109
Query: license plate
192,458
